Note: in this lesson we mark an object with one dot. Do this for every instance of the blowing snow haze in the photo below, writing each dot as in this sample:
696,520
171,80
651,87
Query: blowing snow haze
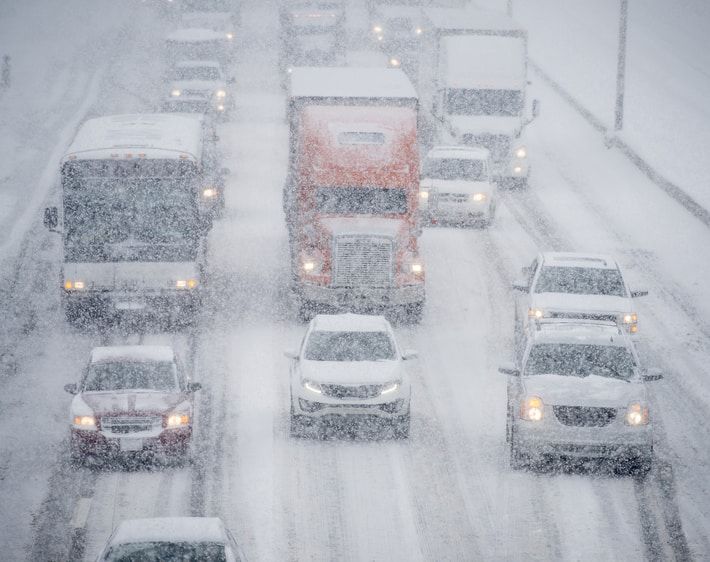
354,280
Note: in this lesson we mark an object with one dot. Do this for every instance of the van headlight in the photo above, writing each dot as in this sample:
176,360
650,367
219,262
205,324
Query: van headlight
532,409
521,152
636,414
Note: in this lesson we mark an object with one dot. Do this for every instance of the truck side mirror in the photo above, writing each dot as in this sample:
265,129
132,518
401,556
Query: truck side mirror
535,108
51,218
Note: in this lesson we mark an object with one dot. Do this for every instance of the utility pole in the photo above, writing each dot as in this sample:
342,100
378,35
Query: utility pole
621,67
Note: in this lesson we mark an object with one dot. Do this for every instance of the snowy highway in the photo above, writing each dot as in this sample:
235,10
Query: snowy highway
446,493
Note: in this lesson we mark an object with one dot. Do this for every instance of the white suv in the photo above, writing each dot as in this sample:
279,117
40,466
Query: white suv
578,392
349,367
456,185
574,285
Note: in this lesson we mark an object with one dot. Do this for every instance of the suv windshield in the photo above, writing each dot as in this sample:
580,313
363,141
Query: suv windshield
580,281
454,169
196,73
577,360
157,551
361,201
131,375
349,346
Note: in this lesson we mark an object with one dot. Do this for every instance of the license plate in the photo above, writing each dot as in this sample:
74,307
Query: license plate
130,305
128,444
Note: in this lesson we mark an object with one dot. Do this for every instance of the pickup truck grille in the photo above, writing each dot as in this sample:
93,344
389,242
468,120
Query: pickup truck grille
130,424
580,416
351,391
363,261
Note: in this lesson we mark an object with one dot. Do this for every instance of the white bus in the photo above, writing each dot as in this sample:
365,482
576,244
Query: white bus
133,231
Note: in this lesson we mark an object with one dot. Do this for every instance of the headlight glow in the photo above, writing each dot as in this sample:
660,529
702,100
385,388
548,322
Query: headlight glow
186,283
532,408
636,414
312,386
176,93
535,313
220,107
394,62
424,194
209,192
418,31
85,422
311,265
517,169
77,285
221,94
479,197
377,29
521,152
178,420
230,36
390,387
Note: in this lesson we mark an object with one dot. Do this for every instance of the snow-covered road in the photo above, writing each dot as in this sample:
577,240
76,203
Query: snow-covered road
445,494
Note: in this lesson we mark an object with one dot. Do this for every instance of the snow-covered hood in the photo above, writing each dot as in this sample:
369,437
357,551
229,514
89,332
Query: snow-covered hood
591,391
565,302
347,372
485,124
127,402
456,186
338,226
130,275
210,86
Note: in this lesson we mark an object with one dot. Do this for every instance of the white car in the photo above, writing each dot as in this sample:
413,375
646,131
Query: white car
349,366
199,86
131,399
574,285
456,185
578,392
172,538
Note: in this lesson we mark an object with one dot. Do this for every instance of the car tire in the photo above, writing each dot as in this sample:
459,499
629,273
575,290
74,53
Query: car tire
400,427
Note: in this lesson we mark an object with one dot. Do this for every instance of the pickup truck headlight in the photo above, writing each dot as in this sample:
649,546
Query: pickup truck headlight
630,321
84,422
312,386
636,414
532,409
535,313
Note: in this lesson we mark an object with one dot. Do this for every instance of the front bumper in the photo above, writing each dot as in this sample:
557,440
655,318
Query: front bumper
97,443
363,298
317,406
101,303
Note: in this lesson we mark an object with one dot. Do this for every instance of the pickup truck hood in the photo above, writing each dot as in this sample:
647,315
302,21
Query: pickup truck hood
565,302
456,186
485,124
351,372
127,402
130,275
377,226
591,391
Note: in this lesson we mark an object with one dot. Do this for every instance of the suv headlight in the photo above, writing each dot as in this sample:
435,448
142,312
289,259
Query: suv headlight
390,387
636,414
521,152
177,419
479,197
535,313
312,386
186,283
74,285
532,408
221,94
84,422
630,321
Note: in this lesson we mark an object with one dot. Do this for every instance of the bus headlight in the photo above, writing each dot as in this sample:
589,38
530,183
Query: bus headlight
532,409
636,414
176,93
186,283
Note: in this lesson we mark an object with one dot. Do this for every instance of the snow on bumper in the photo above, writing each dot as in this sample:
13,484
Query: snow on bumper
319,406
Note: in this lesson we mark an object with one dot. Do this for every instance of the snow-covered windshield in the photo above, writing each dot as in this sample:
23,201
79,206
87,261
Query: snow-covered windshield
580,281
349,346
158,551
455,169
460,101
196,73
580,360
131,375
361,201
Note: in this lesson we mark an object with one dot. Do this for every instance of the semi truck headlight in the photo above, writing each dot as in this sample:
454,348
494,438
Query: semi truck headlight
178,420
186,283
521,152
85,422
74,285
176,93
532,408
312,265
535,313
312,386
221,94
479,197
390,387
636,414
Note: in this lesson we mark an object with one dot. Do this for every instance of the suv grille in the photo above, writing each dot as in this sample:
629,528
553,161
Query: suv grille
130,424
605,316
351,391
582,416
363,261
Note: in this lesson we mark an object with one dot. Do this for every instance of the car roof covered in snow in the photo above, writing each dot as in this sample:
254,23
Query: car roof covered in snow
154,135
170,529
575,259
572,330
350,82
350,323
195,35
157,353
469,21
459,152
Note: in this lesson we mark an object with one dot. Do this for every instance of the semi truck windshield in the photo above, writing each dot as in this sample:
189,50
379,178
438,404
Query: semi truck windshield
361,201
484,102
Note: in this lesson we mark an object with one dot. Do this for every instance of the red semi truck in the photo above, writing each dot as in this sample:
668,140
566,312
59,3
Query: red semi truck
351,200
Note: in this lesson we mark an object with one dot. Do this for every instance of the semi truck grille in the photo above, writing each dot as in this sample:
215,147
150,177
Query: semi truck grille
363,261
584,417
130,424
351,391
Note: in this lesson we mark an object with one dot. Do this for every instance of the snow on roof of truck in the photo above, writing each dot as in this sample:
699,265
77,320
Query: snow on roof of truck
475,61
350,323
170,529
468,21
349,82
171,135
460,152
158,353
194,35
